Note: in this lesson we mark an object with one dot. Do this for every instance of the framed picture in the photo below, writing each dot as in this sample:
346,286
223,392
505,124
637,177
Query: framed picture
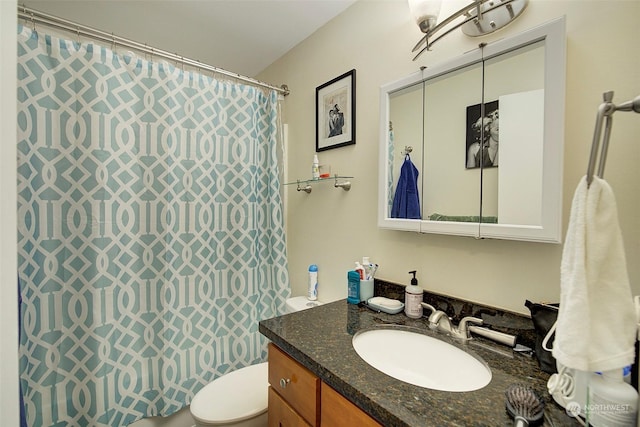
336,112
482,136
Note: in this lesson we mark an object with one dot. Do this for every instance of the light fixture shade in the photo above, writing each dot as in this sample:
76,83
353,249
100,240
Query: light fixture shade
477,18
425,12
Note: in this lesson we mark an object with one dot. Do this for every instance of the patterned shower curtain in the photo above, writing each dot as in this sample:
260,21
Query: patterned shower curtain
151,237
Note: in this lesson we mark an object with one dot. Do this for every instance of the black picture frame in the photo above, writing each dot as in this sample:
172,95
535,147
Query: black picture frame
336,112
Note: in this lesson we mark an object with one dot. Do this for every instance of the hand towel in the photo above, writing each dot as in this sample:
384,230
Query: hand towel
406,202
596,325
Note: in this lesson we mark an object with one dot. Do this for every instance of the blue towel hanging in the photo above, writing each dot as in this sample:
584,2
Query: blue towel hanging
406,202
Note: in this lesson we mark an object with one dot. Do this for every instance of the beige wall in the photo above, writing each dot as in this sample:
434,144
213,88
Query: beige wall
334,228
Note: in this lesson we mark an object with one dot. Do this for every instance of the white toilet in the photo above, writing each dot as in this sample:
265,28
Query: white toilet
239,398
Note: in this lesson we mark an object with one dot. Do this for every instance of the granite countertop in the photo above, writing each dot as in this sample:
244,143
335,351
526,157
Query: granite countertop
320,340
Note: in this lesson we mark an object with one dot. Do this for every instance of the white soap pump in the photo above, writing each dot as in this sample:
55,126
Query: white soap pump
413,298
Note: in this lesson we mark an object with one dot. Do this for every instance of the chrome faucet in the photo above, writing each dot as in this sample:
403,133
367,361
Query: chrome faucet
438,320
463,330
428,307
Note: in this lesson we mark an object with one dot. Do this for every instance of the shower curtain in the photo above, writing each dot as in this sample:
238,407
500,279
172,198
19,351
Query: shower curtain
151,237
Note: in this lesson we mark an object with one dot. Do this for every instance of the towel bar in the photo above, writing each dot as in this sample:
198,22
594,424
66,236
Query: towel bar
605,111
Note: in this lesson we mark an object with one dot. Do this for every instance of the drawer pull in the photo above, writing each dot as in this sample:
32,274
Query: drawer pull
284,382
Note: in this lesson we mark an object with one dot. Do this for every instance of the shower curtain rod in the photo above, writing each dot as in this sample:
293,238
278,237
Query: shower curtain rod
35,16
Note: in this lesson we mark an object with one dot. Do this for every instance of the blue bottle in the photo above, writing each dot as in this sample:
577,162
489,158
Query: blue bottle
353,287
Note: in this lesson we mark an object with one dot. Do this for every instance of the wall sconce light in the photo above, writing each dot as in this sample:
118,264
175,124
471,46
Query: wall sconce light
478,18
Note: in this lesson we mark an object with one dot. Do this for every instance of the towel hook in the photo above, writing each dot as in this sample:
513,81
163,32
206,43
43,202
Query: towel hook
605,112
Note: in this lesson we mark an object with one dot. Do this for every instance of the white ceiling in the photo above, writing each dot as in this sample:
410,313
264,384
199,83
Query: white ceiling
242,36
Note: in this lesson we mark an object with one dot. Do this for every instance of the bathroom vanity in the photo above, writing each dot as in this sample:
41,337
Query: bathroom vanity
298,397
316,345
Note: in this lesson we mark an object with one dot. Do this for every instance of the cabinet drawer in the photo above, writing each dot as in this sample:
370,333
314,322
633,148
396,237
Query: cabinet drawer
337,411
281,414
299,387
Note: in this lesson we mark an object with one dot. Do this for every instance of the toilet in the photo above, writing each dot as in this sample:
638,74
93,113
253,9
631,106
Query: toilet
239,398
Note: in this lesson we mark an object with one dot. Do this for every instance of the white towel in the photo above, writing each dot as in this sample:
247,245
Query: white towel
596,326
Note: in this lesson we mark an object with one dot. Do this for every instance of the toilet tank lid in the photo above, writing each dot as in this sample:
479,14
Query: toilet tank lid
301,303
236,396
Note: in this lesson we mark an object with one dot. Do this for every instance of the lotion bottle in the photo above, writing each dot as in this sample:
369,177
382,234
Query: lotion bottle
315,168
312,293
413,298
614,402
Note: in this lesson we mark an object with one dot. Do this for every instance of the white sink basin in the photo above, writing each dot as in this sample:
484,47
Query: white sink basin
421,360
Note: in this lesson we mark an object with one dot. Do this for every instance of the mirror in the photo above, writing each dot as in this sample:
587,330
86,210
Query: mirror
486,136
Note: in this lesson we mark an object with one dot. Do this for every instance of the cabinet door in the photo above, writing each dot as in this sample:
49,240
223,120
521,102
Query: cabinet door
281,414
295,384
337,411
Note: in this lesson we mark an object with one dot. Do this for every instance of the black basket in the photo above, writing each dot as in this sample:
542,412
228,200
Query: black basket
544,316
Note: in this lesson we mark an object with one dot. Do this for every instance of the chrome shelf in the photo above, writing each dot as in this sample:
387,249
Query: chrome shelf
338,182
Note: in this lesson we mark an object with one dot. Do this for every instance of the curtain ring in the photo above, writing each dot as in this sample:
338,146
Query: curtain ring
113,42
33,21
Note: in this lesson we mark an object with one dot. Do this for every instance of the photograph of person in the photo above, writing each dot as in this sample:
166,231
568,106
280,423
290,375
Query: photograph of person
482,136
336,121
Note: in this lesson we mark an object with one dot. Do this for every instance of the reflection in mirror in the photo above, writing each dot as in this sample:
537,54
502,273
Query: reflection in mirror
451,191
512,190
405,136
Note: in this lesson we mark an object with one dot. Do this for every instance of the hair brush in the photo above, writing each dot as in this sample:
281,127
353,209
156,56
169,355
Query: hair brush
524,404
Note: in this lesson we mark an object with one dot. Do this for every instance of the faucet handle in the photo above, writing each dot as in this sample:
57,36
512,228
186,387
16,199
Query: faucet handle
438,320
428,307
463,329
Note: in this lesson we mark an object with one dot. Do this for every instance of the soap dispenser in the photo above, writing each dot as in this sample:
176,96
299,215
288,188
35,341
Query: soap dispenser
413,298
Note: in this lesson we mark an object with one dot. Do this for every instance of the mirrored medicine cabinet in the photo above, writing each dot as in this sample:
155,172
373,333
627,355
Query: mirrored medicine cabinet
486,132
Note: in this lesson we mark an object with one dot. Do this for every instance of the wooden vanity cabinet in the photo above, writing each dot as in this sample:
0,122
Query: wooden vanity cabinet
299,398
281,414
296,387
336,411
